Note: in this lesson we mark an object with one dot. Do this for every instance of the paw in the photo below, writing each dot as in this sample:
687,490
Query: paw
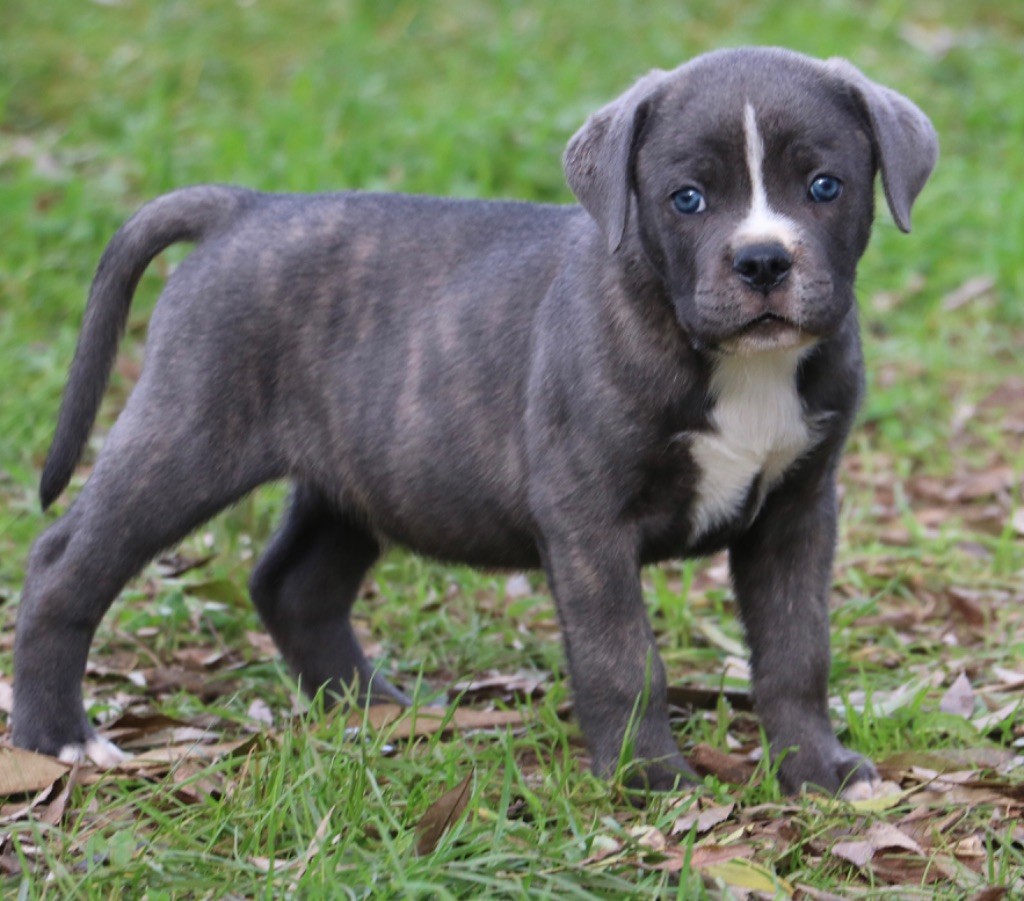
831,768
673,774
96,750
668,772
867,789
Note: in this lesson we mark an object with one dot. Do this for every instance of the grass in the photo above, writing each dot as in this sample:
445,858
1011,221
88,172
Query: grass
105,105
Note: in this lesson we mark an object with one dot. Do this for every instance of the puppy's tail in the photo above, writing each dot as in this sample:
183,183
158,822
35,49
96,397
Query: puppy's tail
190,214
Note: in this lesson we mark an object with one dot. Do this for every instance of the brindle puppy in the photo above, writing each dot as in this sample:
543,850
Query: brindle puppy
669,369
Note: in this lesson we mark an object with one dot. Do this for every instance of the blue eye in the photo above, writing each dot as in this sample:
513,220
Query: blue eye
689,201
825,189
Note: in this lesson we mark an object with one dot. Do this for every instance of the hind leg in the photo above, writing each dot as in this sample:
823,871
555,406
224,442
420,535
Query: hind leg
304,588
153,484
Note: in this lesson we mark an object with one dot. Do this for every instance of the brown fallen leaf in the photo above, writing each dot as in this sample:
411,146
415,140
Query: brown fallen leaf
992,893
704,819
166,757
945,760
299,864
878,837
172,679
708,698
973,289
673,858
968,606
12,813
990,483
441,816
648,837
195,783
727,767
749,876
816,894
404,722
899,869
22,772
525,684
959,699
709,855
311,850
54,812
130,727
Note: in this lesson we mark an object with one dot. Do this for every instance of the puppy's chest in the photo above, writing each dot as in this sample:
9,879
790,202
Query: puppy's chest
757,430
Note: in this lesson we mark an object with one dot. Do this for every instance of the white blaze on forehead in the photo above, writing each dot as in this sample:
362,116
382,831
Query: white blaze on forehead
762,223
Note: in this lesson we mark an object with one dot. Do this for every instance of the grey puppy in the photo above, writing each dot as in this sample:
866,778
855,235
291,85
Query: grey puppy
667,370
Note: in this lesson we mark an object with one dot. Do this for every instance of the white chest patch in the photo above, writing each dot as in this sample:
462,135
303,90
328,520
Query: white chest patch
758,427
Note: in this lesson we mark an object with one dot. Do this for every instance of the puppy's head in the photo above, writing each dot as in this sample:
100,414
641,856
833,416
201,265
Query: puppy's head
746,178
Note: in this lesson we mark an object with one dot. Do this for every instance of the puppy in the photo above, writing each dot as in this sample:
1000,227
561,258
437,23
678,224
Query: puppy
668,369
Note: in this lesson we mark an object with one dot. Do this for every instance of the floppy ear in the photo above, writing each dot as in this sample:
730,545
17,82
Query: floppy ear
904,138
598,157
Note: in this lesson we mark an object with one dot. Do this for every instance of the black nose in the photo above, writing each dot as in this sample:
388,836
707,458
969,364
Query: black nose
762,266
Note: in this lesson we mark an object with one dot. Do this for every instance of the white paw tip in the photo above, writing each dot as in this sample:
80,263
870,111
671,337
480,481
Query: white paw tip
866,789
97,750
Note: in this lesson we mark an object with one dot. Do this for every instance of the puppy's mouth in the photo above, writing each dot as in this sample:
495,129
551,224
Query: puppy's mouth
769,331
767,323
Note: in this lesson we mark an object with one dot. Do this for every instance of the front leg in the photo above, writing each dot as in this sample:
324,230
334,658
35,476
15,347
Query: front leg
782,572
617,675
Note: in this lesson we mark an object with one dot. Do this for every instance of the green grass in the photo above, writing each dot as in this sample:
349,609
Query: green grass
103,106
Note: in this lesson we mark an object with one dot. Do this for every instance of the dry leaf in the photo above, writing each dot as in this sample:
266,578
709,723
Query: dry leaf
706,856
601,847
130,727
708,698
986,721
171,679
525,684
942,761
727,767
441,815
418,722
968,606
22,772
165,757
312,849
648,837
878,837
992,893
859,853
816,894
703,819
194,781
899,869
53,813
959,700
745,874
990,483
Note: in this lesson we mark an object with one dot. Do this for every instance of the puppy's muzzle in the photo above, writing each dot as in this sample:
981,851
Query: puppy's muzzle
762,266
